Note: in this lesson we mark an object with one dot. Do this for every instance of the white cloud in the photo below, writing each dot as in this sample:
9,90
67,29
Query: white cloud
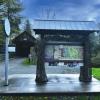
64,9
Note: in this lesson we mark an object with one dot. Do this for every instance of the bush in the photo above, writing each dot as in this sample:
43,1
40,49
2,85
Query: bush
96,60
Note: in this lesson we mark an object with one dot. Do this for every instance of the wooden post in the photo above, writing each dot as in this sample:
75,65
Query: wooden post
86,70
41,76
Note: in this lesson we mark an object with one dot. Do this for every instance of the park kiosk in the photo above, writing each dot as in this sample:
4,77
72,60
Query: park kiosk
64,33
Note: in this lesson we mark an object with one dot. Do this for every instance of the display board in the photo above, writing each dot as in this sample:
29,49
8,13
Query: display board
12,49
63,52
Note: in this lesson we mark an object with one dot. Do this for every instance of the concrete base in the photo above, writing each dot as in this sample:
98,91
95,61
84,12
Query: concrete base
57,83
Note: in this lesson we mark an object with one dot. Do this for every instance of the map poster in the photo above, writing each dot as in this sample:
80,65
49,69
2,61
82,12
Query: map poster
64,52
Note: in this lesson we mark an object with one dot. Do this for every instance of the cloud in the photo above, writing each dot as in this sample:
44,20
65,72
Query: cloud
62,9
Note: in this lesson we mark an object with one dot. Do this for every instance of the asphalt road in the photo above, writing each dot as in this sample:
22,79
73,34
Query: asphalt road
16,67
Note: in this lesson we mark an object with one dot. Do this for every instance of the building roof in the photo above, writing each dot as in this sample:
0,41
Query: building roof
65,25
23,37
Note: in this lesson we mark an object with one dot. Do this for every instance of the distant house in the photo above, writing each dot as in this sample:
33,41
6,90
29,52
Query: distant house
23,43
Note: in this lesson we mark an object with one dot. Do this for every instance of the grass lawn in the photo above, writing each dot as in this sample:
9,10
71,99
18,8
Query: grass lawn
96,73
26,62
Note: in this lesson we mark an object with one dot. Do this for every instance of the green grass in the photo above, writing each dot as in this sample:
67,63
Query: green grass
26,62
96,73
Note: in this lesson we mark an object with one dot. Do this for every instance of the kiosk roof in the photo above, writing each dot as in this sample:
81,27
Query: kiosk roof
65,25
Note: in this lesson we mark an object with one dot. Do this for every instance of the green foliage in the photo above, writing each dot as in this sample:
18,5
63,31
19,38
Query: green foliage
1,34
96,59
10,9
95,43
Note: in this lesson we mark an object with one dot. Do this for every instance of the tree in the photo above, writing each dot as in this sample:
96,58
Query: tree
95,44
28,27
1,26
10,9
40,70
1,34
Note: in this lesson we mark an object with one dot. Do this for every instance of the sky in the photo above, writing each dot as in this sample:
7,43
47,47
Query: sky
62,9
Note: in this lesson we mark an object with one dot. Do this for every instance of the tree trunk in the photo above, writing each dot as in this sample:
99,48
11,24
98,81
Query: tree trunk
86,70
41,76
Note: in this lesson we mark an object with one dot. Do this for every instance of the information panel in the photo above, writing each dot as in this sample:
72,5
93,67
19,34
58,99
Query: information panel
63,52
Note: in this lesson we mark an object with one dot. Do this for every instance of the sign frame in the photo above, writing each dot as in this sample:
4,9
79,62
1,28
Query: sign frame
7,28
